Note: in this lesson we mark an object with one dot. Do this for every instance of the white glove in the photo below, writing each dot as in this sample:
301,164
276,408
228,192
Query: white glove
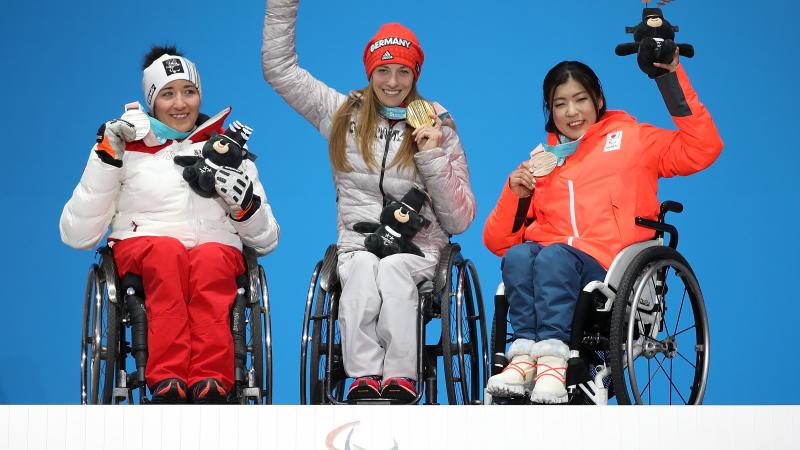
111,139
236,189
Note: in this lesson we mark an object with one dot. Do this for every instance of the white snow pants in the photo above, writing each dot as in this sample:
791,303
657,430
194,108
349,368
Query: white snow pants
378,312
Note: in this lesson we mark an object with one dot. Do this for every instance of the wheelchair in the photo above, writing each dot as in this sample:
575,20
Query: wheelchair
109,328
641,334
453,296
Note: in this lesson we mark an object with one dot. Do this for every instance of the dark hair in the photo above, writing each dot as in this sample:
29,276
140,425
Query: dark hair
156,51
559,75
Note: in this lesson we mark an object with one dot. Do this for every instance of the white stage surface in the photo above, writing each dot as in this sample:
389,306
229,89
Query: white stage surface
399,427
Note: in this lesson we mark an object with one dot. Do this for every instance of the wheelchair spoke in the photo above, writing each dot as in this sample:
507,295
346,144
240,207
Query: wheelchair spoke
685,359
647,386
680,310
661,366
684,330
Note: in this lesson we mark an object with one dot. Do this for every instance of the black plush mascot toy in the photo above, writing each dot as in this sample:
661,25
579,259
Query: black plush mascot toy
220,150
400,222
654,42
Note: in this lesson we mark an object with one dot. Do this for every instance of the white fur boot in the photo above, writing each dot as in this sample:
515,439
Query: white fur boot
516,379
551,364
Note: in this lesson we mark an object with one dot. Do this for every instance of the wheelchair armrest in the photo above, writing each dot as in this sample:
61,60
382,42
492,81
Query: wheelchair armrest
660,228
446,257
670,206
329,275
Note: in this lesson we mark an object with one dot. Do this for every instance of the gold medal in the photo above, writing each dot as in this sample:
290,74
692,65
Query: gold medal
542,162
419,113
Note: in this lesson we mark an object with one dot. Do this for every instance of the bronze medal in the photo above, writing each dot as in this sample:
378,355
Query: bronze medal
542,162
419,113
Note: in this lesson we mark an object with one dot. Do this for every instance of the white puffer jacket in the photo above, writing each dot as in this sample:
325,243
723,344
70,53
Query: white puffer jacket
441,171
148,196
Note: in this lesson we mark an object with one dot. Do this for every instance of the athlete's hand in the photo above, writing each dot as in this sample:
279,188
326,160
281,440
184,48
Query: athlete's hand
428,136
521,180
236,189
111,139
673,66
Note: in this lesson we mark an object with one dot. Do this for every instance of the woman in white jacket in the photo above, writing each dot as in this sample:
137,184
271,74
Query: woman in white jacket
376,157
185,247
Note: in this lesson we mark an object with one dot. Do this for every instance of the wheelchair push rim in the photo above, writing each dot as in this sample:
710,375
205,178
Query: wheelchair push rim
658,321
266,328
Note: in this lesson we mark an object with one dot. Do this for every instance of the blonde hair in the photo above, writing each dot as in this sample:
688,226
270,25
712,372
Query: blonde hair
365,101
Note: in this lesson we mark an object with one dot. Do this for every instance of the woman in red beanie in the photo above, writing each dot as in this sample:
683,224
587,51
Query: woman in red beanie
559,226
376,157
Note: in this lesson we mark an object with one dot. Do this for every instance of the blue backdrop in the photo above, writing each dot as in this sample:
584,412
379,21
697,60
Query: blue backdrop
69,66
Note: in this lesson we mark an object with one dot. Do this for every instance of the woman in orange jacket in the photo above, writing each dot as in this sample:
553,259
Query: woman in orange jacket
558,225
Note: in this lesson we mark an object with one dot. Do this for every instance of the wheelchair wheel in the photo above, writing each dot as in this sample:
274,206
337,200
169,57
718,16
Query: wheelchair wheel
659,336
463,318
321,301
266,332
259,341
100,335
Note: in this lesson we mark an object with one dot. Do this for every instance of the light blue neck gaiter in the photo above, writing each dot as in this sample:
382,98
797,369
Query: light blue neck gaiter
164,132
564,149
392,112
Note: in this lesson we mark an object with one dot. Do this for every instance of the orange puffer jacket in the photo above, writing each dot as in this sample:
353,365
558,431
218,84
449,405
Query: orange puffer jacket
591,202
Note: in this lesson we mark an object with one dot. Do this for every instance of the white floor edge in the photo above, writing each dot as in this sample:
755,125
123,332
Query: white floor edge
403,428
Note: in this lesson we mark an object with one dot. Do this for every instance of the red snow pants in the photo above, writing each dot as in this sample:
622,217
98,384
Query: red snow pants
188,298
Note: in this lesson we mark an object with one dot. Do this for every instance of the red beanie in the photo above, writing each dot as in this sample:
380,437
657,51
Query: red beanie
393,44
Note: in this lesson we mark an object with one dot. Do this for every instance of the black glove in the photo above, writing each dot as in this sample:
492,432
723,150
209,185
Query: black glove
236,189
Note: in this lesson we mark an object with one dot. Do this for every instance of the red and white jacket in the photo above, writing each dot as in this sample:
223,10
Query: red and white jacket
148,196
591,201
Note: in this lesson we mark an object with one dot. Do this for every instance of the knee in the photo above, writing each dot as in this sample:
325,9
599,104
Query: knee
518,260
223,260
360,266
390,270
554,256
391,263
363,260
167,251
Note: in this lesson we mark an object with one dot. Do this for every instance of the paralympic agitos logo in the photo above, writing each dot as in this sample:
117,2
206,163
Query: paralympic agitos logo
348,443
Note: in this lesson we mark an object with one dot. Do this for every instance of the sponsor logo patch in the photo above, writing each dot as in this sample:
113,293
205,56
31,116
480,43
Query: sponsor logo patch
386,56
173,66
389,41
150,94
613,141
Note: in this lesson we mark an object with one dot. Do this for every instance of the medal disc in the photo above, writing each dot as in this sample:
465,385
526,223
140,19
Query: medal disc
419,112
139,120
542,162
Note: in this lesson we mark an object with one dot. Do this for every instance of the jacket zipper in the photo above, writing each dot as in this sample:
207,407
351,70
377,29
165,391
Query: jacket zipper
383,163
572,213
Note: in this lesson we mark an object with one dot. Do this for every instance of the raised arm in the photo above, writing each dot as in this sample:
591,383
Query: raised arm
696,144
312,98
